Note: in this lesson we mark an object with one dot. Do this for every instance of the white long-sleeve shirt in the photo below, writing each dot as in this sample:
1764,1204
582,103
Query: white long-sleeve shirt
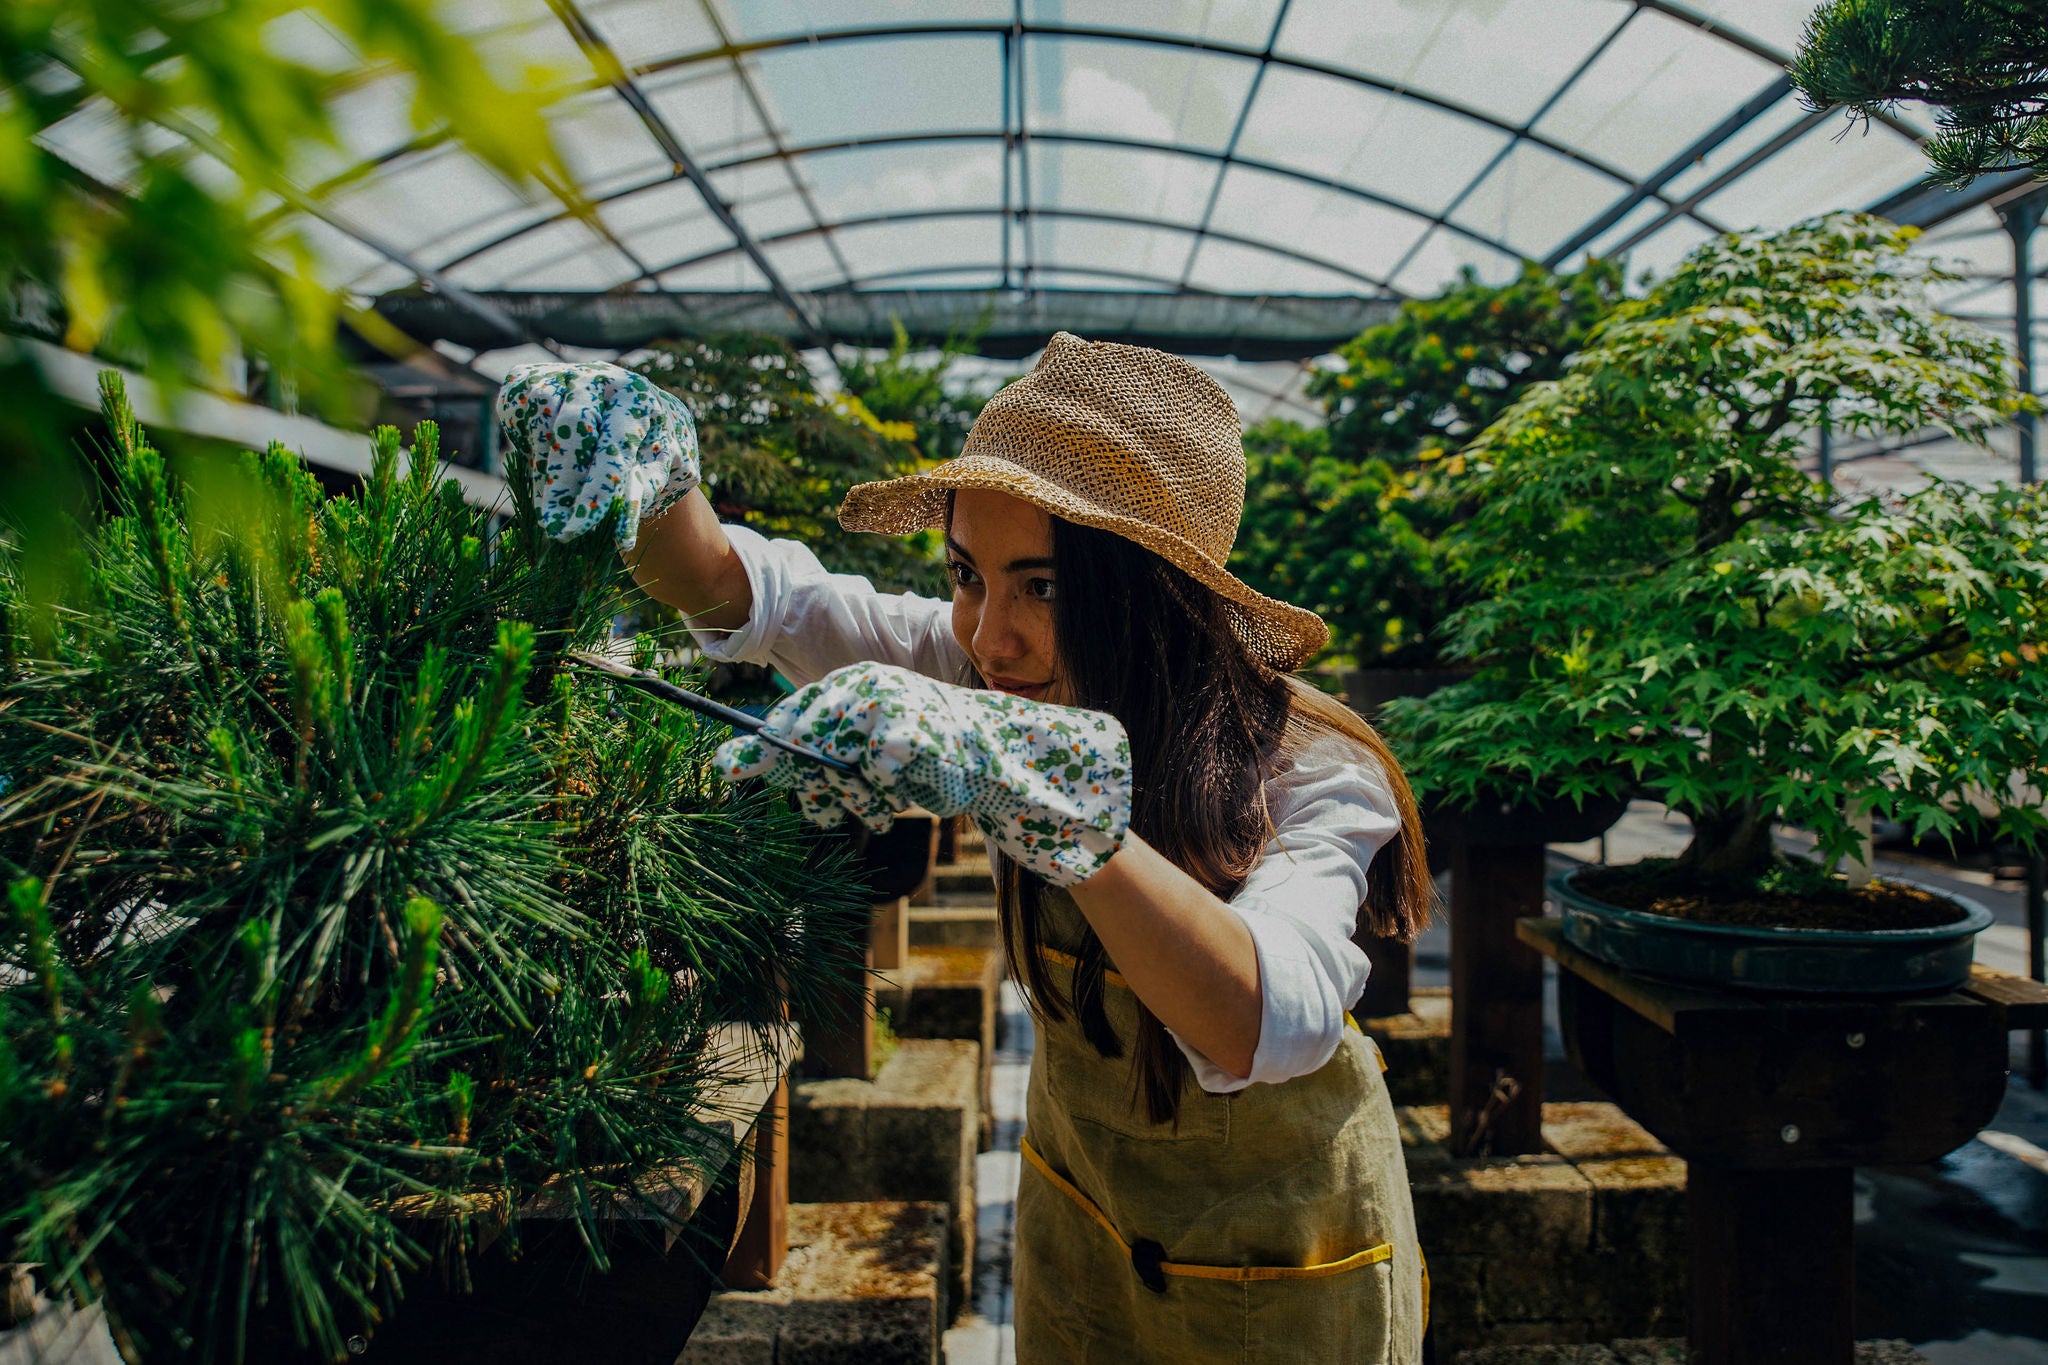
1330,806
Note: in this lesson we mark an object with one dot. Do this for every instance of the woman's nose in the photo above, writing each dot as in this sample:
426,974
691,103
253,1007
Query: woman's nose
996,637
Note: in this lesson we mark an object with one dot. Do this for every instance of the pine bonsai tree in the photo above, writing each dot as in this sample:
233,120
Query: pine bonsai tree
340,916
1983,64
1672,603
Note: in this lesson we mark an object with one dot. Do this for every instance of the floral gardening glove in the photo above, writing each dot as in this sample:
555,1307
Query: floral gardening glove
594,437
1049,785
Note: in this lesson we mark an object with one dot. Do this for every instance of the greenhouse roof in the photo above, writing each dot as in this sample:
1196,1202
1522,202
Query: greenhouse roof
1248,177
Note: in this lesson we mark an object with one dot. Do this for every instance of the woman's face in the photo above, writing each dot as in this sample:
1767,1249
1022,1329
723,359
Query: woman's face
999,552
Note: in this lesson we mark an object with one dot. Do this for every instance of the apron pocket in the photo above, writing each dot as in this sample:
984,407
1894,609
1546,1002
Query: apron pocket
1339,1311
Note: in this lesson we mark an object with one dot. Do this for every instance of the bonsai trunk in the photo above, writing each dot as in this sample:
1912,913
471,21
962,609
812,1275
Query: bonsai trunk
1732,844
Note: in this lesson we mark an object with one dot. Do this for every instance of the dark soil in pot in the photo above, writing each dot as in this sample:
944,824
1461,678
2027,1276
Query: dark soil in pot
1663,886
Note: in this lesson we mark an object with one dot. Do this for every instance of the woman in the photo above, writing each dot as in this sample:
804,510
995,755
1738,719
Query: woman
1183,832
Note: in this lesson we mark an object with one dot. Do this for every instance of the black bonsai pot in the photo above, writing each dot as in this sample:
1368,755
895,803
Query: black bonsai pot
1801,961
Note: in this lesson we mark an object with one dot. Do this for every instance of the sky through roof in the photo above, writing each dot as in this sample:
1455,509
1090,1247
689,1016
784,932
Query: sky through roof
1233,150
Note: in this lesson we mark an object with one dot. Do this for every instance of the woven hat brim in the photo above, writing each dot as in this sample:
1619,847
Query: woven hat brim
1281,634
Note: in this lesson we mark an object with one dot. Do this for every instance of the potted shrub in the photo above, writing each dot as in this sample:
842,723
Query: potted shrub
340,918
1671,601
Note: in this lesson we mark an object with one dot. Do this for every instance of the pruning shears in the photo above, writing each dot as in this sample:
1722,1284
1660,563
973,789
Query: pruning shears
655,684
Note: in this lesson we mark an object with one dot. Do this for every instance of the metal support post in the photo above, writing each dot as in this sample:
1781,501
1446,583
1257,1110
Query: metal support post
2020,218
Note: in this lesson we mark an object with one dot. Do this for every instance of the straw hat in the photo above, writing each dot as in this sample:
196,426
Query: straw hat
1124,439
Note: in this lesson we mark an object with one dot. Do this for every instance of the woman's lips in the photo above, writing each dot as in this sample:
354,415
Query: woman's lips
1019,688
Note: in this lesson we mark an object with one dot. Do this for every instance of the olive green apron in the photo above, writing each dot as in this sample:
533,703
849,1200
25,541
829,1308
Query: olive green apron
1269,1225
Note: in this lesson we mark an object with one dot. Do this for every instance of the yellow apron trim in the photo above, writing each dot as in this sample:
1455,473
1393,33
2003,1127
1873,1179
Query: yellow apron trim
1239,1273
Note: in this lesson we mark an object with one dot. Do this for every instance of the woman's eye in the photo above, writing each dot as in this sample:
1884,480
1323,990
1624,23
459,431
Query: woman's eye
963,576
1040,588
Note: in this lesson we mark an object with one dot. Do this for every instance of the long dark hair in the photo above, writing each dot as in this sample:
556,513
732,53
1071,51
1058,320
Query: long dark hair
1140,639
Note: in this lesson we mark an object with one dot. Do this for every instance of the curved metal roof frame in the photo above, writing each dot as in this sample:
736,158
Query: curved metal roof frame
993,135
1079,215
1015,136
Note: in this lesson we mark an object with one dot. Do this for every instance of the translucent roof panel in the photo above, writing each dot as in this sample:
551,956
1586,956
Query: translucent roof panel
1247,148
1109,249
1652,92
861,181
1165,185
756,19
1755,137
810,262
1123,281
643,31
765,198
1502,58
1409,152
1774,23
441,203
1822,169
562,255
729,271
886,248
1534,199
878,88
1436,260
711,110
604,143
1144,91
1664,248
1242,23
1232,268
665,225
1340,228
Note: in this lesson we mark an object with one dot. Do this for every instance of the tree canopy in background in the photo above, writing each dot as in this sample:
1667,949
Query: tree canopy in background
1669,601
779,455
1349,520
903,385
1982,64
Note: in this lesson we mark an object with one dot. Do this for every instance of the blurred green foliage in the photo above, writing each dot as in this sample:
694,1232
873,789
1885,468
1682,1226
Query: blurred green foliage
1982,64
142,143
1350,520
1666,600
906,384
779,455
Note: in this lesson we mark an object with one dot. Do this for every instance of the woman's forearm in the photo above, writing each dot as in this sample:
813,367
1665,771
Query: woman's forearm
685,559
1184,953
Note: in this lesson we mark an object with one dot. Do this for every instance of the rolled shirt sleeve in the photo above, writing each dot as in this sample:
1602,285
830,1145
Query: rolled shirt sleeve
807,620
1331,813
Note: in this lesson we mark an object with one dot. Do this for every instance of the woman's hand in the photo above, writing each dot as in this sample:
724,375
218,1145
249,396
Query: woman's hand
1049,785
594,438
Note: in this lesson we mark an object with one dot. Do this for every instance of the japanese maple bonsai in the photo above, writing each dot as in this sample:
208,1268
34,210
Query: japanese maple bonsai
340,916
1671,600
1353,518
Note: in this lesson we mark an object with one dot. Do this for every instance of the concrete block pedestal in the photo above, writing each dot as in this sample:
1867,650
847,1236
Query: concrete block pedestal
1583,1242
1417,1046
864,1284
909,1134
948,991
